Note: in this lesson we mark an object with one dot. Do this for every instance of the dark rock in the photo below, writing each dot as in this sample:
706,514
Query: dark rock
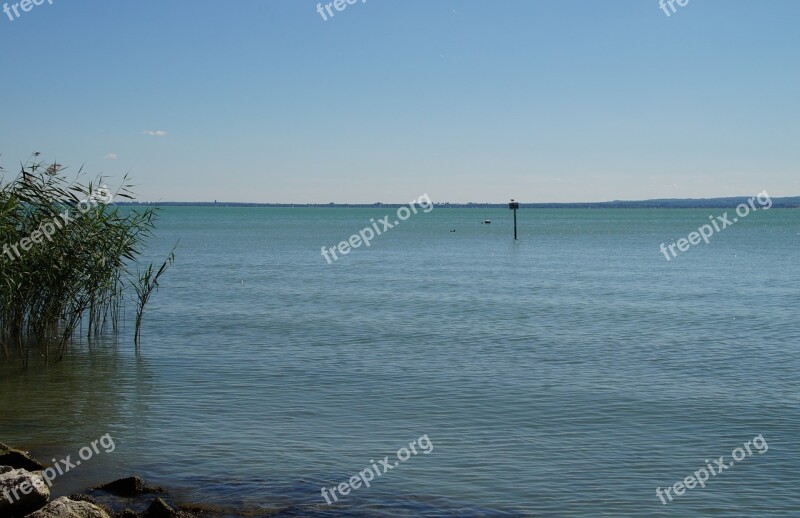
126,513
18,459
65,508
160,509
14,484
130,486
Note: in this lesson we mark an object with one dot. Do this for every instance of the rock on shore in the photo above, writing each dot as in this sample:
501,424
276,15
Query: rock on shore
65,508
18,459
130,486
24,493
21,492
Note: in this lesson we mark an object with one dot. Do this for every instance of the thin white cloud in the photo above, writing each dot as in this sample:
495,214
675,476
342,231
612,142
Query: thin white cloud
155,133
111,156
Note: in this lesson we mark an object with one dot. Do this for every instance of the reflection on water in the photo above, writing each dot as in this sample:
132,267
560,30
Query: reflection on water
54,410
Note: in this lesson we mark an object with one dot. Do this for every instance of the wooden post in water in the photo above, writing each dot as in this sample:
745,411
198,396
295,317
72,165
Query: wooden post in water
514,206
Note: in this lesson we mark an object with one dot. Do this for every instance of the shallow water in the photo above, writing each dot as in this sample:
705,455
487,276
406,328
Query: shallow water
567,374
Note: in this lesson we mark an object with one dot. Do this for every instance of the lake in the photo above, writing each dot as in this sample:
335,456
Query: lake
570,373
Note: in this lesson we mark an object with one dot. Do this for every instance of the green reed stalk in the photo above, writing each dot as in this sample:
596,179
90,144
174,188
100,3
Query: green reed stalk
78,275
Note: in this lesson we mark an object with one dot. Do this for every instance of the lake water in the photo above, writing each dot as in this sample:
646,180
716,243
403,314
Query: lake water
570,373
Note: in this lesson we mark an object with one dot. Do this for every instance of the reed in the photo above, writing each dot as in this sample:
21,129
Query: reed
79,274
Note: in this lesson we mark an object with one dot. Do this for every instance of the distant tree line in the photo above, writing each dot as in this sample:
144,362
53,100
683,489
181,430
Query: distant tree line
711,203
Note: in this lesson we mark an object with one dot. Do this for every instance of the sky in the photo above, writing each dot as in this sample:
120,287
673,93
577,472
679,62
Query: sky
541,101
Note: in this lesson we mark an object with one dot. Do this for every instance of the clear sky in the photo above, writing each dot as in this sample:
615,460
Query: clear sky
264,101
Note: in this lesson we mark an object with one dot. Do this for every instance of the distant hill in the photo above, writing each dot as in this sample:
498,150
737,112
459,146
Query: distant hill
667,203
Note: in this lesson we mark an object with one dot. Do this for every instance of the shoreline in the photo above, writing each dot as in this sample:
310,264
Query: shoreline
26,486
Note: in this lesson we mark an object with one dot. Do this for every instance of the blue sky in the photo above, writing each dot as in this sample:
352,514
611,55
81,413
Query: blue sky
264,101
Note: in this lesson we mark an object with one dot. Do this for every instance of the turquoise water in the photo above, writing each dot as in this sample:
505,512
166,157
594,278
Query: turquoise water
567,374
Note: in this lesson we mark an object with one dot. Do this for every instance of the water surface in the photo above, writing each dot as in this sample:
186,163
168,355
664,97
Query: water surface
567,374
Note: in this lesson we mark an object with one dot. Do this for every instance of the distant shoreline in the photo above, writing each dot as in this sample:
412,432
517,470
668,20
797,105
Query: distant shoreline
710,203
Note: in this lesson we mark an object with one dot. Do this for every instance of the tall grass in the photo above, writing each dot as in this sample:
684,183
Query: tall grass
79,276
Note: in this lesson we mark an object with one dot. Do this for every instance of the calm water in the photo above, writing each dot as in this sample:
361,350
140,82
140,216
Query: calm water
567,374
